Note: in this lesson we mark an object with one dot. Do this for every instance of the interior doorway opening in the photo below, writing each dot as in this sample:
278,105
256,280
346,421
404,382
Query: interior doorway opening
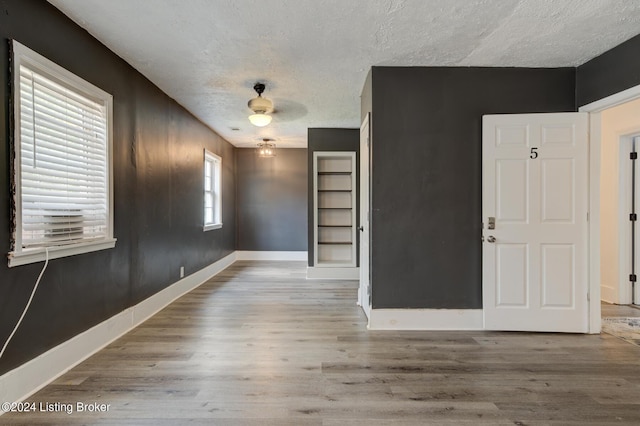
598,194
364,291
619,183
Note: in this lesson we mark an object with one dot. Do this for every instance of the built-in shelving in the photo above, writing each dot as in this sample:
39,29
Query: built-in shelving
334,213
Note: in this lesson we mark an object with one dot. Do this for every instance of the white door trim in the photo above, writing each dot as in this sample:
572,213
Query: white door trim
594,109
364,288
610,101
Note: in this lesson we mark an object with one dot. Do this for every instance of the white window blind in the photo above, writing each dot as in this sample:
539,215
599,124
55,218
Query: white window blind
62,167
63,164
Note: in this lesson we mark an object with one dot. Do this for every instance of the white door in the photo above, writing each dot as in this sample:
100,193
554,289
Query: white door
634,206
535,196
364,293
627,259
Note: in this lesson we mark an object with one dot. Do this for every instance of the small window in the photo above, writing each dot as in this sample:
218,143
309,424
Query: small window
212,191
62,170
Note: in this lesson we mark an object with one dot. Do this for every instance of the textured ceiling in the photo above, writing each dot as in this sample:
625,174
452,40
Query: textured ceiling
314,55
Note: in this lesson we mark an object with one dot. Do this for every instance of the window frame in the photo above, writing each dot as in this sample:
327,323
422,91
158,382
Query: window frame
216,185
22,55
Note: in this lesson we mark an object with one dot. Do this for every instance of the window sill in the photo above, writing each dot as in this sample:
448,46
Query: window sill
213,226
38,255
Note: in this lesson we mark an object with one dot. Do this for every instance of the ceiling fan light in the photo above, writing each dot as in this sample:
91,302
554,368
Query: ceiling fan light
260,120
260,107
259,103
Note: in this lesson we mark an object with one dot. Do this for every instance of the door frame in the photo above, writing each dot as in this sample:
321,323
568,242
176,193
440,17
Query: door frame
595,143
364,291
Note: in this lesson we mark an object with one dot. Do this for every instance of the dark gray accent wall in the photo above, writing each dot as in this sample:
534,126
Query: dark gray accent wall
330,139
272,200
427,172
157,166
614,71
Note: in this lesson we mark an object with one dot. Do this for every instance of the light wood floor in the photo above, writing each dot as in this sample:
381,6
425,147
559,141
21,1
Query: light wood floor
610,310
260,345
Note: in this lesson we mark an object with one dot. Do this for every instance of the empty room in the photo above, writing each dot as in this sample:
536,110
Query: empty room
319,212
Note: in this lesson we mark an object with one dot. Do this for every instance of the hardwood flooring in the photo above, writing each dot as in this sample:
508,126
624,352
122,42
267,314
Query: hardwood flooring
611,310
261,345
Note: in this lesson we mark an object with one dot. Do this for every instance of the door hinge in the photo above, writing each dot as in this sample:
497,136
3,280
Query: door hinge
633,155
633,217
588,297
632,278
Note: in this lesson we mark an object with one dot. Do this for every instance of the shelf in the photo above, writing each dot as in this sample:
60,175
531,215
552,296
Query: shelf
334,185
335,263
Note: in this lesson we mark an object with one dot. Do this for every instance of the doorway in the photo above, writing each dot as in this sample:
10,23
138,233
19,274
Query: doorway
619,130
364,290
620,312
612,119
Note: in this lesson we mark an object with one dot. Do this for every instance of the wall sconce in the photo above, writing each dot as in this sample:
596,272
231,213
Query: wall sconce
266,148
260,107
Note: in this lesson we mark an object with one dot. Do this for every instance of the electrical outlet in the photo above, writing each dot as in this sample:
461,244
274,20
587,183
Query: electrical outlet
182,272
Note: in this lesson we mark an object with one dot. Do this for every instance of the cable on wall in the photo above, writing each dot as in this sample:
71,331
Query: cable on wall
33,292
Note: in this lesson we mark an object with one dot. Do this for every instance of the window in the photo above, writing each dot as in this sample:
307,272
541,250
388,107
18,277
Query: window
212,191
62,169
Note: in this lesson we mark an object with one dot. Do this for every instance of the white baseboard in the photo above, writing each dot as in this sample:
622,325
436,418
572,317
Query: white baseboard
18,384
426,319
271,255
608,294
333,273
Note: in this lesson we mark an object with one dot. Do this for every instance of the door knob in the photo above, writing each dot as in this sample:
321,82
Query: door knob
491,239
361,228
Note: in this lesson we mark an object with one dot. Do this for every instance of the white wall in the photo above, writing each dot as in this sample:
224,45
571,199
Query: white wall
617,122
